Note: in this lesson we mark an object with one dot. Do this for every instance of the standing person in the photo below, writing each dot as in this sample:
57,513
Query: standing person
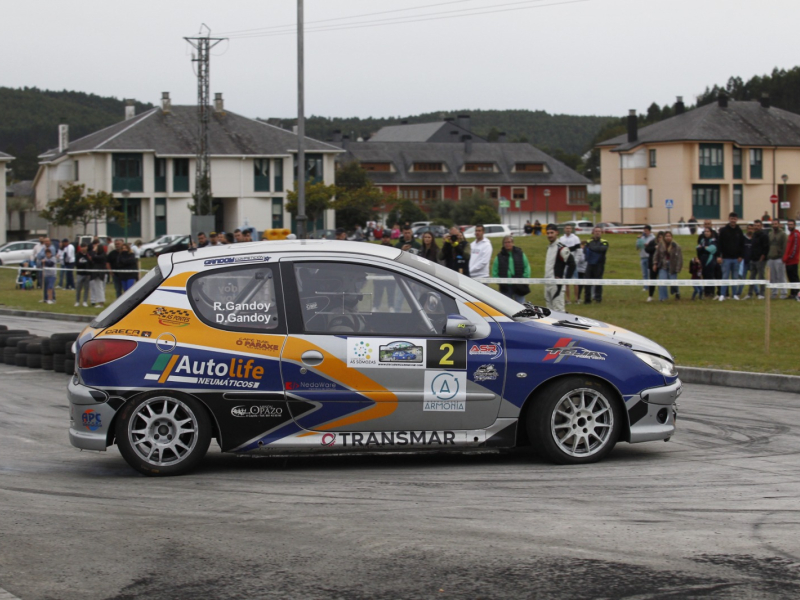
381,286
758,258
340,234
480,254
791,257
537,227
651,248
214,239
62,273
596,251
692,225
573,242
429,248
696,272
237,236
136,248
36,261
512,262
358,234
528,229
396,231
749,230
455,252
113,265
68,252
580,266
202,240
407,243
669,262
731,249
49,276
83,264
40,257
766,217
644,258
555,264
97,286
707,253
127,262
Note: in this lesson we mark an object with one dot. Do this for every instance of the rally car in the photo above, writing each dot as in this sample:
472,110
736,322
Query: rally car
280,347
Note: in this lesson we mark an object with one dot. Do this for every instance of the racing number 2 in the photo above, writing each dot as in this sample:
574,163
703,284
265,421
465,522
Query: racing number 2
446,355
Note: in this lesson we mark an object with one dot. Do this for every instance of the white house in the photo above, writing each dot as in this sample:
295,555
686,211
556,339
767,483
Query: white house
4,160
152,156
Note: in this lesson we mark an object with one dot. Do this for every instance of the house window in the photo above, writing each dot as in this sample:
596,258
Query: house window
652,153
650,198
465,192
261,174
409,193
479,168
577,195
278,174
431,194
313,168
492,192
711,165
705,201
376,166
737,163
738,198
756,166
126,172
180,175
518,193
530,168
160,181
77,164
426,166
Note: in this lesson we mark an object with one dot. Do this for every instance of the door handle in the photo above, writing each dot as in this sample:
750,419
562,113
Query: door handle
311,358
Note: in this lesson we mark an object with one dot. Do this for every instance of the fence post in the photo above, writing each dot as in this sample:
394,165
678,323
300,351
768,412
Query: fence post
767,295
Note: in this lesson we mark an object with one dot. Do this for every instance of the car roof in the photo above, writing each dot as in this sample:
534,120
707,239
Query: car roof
270,247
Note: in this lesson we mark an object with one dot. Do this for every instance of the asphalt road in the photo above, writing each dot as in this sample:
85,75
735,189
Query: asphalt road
712,514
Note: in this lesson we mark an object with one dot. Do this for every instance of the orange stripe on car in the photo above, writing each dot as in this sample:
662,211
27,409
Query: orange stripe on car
168,369
485,308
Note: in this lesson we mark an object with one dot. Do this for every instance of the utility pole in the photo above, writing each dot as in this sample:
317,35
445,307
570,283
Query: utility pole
301,129
202,185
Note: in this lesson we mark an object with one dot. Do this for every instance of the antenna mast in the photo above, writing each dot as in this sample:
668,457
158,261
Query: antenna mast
202,186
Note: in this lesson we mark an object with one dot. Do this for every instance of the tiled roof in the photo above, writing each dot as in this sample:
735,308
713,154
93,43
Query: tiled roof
4,156
173,133
437,131
744,123
21,189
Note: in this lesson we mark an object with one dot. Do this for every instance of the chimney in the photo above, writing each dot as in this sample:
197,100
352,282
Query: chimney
63,135
219,103
722,100
337,135
463,122
345,141
633,126
294,129
130,109
166,103
501,137
680,107
448,119
765,100
467,139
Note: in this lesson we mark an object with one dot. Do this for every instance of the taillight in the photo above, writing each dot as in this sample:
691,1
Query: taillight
99,352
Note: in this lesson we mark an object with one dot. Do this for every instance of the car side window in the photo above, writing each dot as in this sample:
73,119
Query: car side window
340,298
239,298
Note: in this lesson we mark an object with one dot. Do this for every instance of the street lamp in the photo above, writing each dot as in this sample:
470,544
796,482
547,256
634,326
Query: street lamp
125,195
546,207
785,178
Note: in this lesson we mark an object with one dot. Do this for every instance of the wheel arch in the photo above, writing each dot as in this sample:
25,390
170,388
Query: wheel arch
530,402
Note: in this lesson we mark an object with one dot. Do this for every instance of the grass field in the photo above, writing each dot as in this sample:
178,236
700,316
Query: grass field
707,333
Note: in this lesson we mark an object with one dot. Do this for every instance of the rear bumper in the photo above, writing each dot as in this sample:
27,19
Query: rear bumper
90,420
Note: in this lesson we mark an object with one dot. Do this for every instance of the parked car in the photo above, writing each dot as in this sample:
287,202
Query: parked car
581,226
611,227
438,231
492,230
149,249
420,223
324,234
181,243
87,239
276,347
14,253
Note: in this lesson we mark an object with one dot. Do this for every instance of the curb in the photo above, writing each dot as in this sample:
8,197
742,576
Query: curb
740,379
46,315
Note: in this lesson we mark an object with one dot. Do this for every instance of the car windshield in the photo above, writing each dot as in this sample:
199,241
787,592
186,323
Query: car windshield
480,291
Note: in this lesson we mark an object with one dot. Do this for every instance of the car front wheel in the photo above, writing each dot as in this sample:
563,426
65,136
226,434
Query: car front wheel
149,253
163,433
575,421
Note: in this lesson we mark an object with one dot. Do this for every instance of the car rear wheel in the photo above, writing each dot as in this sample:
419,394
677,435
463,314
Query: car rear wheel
149,253
163,433
575,421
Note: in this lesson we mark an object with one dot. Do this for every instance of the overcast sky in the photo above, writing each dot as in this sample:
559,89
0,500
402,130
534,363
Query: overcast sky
563,56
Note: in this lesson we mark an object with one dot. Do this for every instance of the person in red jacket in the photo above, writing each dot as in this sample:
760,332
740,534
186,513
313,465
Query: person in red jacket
792,256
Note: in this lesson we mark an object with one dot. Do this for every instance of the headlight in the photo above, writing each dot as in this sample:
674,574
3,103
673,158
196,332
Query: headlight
662,365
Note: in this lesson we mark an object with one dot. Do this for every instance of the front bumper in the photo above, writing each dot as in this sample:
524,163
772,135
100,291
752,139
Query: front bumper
653,412
90,417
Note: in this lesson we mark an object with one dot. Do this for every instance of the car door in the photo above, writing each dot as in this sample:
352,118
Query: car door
366,349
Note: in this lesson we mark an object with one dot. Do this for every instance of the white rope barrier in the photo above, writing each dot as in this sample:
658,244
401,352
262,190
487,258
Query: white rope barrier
17,268
641,282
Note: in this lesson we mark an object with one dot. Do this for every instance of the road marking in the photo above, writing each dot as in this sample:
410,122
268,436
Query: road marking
13,373
4,595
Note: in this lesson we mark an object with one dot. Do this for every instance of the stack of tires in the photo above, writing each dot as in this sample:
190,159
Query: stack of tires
9,338
18,347
63,356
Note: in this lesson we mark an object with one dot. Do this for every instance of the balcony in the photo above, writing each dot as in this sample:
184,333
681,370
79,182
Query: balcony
712,172
132,184
180,183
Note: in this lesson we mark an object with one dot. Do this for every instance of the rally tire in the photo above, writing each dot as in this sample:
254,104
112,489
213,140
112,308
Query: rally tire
33,361
3,327
47,362
58,363
9,355
163,433
148,253
21,359
47,349
60,338
68,350
5,335
69,366
34,347
575,420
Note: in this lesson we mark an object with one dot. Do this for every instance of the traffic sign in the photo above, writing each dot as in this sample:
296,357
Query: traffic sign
669,203
505,204
774,198
516,203
786,205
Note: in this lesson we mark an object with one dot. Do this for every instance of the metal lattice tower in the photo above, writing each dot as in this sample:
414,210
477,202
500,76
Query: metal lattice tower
202,59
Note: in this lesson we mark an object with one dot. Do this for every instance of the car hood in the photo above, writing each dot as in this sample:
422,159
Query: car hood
594,328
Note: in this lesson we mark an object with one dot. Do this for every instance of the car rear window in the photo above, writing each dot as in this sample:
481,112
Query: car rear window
129,300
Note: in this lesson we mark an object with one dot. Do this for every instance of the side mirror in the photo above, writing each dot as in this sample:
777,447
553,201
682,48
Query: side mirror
459,326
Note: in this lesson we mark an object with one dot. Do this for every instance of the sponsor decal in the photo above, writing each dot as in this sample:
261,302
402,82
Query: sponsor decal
228,312
566,348
261,411
254,344
310,385
493,350
485,373
445,391
311,306
166,342
389,438
130,332
172,317
373,353
92,420
235,259
176,368
446,355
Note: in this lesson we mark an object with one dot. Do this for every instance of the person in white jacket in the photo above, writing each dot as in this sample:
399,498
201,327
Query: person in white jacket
480,255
